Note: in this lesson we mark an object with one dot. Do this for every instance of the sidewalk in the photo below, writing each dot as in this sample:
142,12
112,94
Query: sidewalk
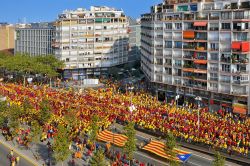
26,154
39,150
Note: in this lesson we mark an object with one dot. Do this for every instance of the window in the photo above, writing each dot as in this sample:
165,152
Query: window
225,78
213,85
168,61
177,63
226,15
178,25
214,76
168,71
168,44
214,46
225,68
226,26
214,56
168,26
67,59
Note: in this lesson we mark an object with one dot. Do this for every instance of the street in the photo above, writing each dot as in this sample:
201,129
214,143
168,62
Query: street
4,161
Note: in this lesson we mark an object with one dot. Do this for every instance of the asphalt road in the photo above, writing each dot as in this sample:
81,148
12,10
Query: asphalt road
4,161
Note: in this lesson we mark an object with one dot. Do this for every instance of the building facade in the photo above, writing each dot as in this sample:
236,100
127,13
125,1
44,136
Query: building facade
134,39
199,48
34,39
7,42
91,41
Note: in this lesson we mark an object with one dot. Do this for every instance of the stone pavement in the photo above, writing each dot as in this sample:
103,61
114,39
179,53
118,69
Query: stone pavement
37,154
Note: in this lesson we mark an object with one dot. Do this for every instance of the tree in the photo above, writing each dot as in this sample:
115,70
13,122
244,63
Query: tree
13,119
170,141
36,131
130,145
61,145
45,112
94,128
3,112
25,64
218,160
98,158
169,147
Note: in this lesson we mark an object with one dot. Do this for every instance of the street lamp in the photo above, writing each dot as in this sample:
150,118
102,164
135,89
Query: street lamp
198,99
176,100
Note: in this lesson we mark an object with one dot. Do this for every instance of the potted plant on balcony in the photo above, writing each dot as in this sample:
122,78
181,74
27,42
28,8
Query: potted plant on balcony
192,77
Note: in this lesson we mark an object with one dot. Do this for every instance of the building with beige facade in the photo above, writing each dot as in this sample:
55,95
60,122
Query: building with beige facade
91,41
7,42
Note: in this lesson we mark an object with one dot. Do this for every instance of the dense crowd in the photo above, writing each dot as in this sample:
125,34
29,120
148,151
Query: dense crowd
221,131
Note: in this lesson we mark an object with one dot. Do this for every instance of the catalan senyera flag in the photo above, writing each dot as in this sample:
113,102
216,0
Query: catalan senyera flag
158,148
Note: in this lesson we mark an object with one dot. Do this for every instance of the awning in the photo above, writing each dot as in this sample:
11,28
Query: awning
200,71
200,24
199,61
188,69
116,139
236,45
188,34
239,110
158,148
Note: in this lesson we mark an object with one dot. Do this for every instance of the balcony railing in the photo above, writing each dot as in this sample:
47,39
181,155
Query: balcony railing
202,18
240,82
188,46
226,60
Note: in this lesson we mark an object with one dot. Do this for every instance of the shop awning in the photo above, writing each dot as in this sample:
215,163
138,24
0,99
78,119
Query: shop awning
199,61
116,139
239,110
158,148
200,24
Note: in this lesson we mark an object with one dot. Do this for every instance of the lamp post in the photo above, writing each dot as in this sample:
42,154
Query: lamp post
198,99
176,100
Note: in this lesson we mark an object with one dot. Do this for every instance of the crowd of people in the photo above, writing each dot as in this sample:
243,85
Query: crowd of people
217,130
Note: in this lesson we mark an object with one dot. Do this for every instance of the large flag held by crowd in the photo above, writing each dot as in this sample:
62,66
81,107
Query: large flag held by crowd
215,130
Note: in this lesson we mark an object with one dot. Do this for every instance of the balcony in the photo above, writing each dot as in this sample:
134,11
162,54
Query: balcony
188,34
202,18
240,46
188,46
188,56
195,84
238,59
214,28
188,18
201,38
241,82
225,59
200,48
213,79
213,17
195,76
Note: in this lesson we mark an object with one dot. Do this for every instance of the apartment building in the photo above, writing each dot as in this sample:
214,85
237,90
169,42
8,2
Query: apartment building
7,42
200,48
134,39
34,39
91,41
